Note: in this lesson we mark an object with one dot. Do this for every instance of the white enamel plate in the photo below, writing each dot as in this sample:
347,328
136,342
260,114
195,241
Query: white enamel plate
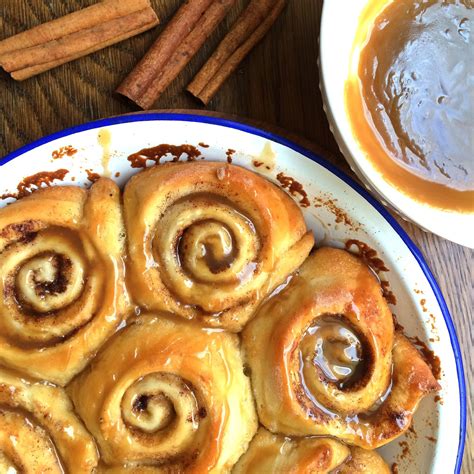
339,210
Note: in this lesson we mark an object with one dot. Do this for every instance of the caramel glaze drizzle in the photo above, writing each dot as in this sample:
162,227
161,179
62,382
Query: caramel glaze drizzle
63,151
294,188
337,351
429,356
327,366
137,409
139,159
229,154
31,183
344,362
369,256
92,177
340,355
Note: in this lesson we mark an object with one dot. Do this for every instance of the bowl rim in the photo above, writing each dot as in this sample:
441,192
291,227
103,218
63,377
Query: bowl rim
253,130
410,209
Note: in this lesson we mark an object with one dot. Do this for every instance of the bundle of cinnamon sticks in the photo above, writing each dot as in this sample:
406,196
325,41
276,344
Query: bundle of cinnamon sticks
250,28
75,35
109,21
185,35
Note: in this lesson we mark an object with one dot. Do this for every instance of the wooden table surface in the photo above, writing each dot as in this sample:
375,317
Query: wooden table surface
277,84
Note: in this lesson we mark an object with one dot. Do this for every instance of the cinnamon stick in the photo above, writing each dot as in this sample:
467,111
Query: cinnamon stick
250,28
75,35
175,47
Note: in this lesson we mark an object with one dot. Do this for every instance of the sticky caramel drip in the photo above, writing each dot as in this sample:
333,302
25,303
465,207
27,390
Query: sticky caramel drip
334,349
157,153
36,181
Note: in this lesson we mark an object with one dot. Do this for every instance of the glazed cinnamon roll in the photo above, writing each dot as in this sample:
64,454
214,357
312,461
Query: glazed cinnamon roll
210,240
61,278
166,394
39,431
325,359
276,454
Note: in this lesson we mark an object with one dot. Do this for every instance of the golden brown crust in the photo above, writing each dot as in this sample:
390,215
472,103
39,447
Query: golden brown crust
166,393
210,240
363,461
322,354
277,454
39,431
61,261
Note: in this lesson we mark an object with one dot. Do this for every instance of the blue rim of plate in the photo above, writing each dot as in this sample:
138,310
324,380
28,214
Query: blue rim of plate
184,117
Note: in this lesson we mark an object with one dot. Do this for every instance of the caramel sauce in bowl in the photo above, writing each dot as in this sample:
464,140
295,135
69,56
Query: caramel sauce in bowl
400,97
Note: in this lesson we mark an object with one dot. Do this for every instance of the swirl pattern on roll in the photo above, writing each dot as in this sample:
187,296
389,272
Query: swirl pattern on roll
210,240
39,431
166,394
277,454
325,358
62,278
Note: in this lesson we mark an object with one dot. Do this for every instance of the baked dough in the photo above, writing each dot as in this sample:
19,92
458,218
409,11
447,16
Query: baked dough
62,278
277,454
168,394
325,359
210,240
39,431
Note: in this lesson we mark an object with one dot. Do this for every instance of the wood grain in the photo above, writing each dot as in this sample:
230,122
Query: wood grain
277,84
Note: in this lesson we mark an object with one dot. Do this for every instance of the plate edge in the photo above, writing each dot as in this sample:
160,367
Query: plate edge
192,117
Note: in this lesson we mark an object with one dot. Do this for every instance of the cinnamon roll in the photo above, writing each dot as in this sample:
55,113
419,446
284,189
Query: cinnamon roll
38,430
210,240
325,359
61,278
273,453
169,395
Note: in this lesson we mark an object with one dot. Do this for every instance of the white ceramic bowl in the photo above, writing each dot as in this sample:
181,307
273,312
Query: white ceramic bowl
339,23
366,220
